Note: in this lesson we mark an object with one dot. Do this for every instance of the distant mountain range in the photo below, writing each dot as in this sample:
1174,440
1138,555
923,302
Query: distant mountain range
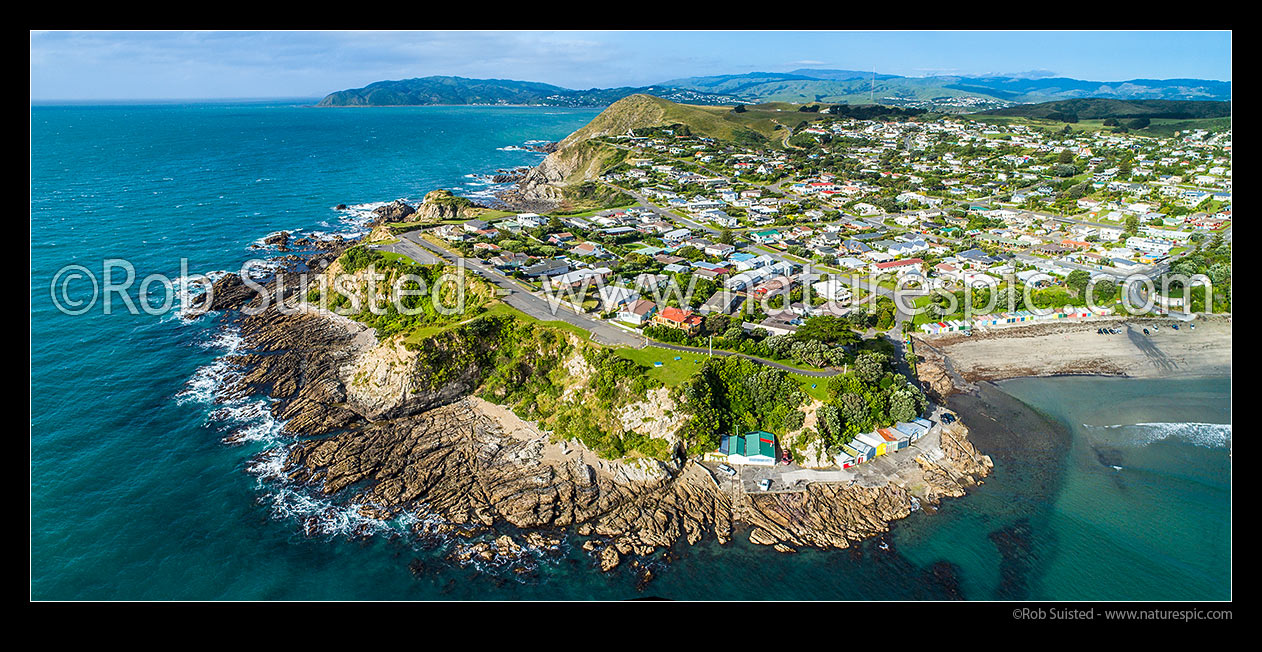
464,91
943,93
857,87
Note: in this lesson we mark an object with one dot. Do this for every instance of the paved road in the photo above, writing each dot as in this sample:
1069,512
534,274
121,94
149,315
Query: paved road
825,373
663,213
514,295
410,249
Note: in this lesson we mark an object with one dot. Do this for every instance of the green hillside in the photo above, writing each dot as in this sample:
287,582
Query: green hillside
423,91
641,111
1103,109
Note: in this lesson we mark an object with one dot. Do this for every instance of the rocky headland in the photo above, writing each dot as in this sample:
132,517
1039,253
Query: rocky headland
378,426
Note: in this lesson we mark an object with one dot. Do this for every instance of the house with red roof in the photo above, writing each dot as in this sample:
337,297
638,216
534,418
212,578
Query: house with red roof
684,320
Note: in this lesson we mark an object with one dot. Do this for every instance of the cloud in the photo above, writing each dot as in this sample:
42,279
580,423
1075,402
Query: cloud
239,64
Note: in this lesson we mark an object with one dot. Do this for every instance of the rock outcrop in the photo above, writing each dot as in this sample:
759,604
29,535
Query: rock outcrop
396,211
393,440
443,205
280,240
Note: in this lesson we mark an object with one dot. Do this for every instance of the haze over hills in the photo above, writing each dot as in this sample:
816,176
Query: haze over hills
461,90
949,93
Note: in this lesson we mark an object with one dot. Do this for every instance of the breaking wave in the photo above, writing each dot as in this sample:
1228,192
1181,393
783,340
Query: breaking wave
1207,435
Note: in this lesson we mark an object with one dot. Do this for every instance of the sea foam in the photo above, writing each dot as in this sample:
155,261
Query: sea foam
1208,435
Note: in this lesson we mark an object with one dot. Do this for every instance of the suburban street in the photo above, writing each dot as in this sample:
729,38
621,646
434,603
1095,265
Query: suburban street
411,244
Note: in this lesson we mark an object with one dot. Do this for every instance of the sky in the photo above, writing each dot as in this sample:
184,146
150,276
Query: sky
95,65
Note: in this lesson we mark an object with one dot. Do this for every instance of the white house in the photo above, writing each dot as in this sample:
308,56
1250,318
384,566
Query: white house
612,296
833,290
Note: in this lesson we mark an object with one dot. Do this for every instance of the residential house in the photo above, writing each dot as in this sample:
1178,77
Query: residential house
613,296
638,312
684,320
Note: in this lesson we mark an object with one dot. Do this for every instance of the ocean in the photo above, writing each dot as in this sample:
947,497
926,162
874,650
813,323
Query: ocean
136,495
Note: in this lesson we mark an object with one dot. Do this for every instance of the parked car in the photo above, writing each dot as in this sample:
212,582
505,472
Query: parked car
1174,326
1145,331
731,472
765,484
948,418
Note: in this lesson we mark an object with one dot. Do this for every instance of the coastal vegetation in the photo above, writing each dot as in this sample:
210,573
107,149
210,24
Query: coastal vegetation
1212,259
733,395
871,395
823,344
426,292
545,374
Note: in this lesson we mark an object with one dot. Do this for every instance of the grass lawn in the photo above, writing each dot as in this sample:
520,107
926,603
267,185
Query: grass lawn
403,227
594,211
489,214
418,335
672,372
442,244
497,308
820,390
390,255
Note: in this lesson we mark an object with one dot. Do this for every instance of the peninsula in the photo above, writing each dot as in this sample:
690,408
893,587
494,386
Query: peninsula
681,324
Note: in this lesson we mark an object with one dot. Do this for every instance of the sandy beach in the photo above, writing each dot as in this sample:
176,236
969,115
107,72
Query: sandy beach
1060,348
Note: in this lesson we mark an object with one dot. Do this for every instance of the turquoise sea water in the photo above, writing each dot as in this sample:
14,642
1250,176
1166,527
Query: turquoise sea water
134,495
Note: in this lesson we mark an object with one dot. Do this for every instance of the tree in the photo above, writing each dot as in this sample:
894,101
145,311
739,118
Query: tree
827,328
726,237
870,366
853,409
1104,290
1132,225
831,421
1077,281
906,403
739,108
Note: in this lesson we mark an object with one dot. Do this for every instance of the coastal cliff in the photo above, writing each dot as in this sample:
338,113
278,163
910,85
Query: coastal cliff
390,427
579,158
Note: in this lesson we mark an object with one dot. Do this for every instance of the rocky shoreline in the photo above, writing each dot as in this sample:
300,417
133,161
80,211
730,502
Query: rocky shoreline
438,454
